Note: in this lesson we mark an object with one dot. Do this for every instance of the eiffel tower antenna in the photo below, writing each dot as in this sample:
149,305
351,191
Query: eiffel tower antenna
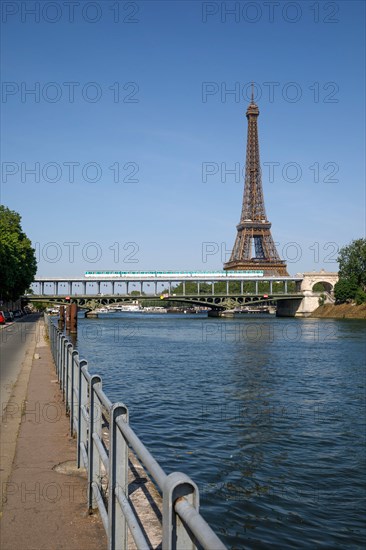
254,248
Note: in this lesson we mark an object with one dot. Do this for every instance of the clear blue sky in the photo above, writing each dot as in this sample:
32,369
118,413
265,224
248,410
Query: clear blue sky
173,64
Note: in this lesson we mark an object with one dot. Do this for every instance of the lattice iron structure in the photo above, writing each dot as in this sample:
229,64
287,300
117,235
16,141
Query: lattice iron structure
254,247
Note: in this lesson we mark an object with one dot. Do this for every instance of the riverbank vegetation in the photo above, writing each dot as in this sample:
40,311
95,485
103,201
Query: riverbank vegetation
340,311
351,287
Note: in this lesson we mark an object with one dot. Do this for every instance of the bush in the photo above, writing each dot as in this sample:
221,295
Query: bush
345,290
360,297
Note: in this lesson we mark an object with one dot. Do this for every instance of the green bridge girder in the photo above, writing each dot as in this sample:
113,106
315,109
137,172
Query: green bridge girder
218,302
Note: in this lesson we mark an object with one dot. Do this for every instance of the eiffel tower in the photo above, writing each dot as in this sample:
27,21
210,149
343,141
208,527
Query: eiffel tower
254,228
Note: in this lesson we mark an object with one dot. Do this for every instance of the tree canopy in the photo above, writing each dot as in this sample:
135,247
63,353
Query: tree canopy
352,272
18,263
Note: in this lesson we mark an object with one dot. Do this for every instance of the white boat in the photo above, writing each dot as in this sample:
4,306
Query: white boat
128,307
154,309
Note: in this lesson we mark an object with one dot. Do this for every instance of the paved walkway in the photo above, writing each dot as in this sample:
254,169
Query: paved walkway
43,508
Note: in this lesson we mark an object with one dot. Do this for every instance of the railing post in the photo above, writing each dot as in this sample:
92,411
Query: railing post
118,479
95,427
83,401
74,392
59,355
53,343
62,365
77,375
55,336
175,536
50,334
68,377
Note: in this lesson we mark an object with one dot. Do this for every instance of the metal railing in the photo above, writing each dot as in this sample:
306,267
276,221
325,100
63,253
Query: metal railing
106,463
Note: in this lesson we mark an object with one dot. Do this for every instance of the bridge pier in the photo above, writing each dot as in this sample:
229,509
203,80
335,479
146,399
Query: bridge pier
288,308
67,317
61,321
303,307
214,313
73,318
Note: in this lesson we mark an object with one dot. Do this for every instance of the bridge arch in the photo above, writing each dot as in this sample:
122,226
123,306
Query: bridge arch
327,279
323,286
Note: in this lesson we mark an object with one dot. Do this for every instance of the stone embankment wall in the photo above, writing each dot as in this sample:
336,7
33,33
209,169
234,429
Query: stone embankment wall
342,311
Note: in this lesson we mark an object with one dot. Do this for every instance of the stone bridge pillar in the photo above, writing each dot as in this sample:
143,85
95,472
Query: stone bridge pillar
305,306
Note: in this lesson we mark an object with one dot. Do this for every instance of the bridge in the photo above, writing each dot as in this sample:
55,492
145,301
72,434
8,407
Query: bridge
294,296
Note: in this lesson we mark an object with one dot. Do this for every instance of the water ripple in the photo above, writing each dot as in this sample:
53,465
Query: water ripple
266,415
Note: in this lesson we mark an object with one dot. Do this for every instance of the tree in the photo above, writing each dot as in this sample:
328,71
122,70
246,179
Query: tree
360,297
18,263
352,273
345,290
41,306
190,288
318,287
352,263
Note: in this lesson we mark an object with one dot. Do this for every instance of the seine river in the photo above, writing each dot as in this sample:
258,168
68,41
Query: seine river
266,415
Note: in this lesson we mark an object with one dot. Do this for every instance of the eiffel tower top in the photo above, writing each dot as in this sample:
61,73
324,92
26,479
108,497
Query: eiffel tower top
252,107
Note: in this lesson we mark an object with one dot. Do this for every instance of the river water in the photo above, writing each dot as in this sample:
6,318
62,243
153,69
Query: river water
266,415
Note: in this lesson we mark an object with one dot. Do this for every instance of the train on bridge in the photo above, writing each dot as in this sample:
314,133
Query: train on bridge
179,275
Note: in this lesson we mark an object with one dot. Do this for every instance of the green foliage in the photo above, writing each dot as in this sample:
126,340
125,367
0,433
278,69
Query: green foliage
191,288
18,264
352,262
352,273
318,287
41,306
345,290
249,287
360,297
